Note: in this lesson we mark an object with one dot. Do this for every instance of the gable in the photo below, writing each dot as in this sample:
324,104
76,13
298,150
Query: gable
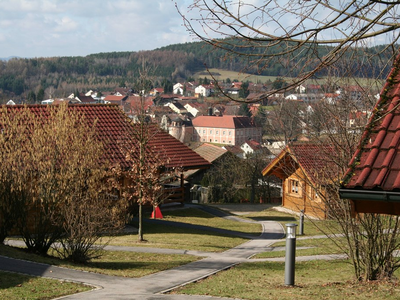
314,160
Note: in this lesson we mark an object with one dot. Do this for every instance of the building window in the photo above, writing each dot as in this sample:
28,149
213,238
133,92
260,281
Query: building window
223,132
229,132
216,132
294,186
210,131
204,131
314,195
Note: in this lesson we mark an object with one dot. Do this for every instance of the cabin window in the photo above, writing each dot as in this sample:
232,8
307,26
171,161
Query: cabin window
294,186
314,195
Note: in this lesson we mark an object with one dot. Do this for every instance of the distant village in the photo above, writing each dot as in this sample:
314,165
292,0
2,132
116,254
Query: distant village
189,115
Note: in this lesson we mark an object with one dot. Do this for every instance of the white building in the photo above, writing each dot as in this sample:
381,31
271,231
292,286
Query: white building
203,90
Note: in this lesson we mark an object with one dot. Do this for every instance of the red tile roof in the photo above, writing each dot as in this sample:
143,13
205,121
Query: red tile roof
224,121
254,144
376,163
112,124
315,160
114,98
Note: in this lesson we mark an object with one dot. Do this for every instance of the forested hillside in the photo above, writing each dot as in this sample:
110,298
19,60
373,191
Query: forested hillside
34,78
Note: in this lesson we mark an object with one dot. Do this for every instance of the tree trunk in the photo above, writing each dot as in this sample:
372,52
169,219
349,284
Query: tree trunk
140,227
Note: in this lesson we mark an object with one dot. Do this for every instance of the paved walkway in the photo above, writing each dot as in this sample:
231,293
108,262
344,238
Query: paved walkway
153,286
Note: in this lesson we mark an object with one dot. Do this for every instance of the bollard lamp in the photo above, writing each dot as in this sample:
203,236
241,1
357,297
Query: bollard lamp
291,231
290,257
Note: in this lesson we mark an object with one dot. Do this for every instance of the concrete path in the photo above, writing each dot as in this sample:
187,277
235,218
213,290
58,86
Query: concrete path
152,286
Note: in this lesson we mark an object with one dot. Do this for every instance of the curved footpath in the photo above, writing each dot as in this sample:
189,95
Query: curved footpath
153,286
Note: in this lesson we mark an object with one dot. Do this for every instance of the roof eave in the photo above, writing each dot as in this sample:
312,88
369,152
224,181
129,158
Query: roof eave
369,195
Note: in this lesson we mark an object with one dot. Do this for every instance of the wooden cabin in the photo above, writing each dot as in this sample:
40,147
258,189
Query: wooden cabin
305,174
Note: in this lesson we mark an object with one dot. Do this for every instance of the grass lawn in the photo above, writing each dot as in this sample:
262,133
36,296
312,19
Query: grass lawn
17,286
311,227
118,263
164,236
253,280
170,237
200,217
316,247
313,280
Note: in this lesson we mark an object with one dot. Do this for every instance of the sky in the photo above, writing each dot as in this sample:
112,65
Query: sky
47,28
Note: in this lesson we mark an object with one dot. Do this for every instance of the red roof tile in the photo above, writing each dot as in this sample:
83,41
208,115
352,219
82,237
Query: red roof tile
376,163
315,160
224,121
254,144
112,124
114,98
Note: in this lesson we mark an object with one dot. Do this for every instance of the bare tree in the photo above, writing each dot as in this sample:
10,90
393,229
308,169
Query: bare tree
305,37
146,171
13,193
57,181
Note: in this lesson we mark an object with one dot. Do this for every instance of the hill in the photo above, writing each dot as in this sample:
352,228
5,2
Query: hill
22,78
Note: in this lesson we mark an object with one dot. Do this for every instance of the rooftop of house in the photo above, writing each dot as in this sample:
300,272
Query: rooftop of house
225,121
234,149
376,163
253,144
210,152
86,99
112,124
137,102
114,98
315,160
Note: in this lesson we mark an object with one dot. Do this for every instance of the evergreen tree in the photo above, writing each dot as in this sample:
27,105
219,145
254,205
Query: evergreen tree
244,110
31,97
244,90
40,95
168,86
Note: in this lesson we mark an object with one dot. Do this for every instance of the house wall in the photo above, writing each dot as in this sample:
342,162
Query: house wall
244,134
298,195
215,135
227,136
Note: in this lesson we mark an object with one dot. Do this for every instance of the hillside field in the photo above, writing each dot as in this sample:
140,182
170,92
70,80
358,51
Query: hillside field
232,75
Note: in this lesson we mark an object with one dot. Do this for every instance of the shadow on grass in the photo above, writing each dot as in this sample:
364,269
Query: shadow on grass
274,218
190,213
12,280
131,265
164,226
